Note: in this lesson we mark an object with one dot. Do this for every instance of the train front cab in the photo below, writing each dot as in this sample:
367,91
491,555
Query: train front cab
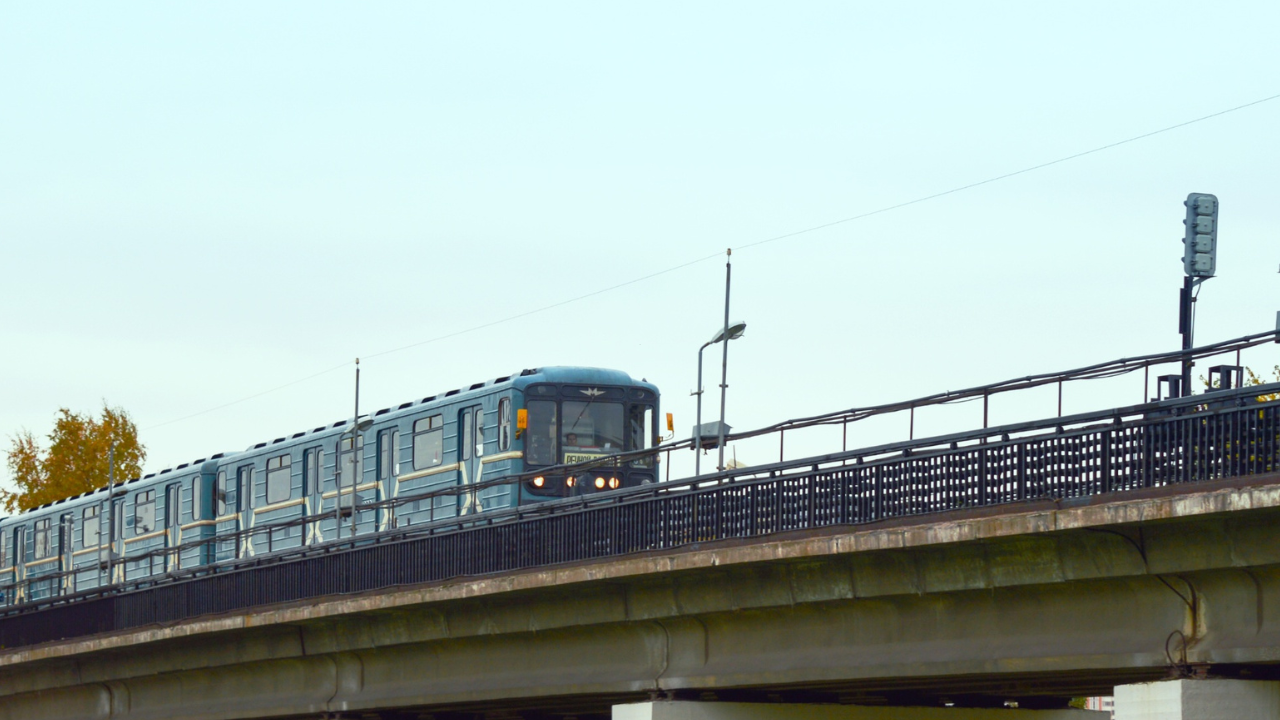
574,422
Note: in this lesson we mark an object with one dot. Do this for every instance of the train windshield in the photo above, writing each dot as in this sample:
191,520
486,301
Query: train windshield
570,431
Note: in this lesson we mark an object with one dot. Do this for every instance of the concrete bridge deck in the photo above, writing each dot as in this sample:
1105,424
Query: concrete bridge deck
1032,602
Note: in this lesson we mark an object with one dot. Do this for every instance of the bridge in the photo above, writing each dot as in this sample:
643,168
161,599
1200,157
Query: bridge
965,575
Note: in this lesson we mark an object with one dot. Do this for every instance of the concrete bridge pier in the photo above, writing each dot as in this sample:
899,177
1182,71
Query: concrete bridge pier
692,710
1199,700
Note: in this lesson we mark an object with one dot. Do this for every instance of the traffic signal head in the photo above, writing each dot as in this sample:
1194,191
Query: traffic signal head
1200,243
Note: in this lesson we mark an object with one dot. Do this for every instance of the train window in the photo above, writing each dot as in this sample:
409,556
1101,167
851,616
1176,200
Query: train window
428,442
540,448
278,476
504,424
312,459
66,531
195,498
42,547
479,436
144,512
388,454
592,425
4,551
89,526
244,488
464,429
350,465
639,424
220,493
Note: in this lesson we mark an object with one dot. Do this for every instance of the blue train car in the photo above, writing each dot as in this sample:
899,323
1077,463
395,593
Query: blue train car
341,480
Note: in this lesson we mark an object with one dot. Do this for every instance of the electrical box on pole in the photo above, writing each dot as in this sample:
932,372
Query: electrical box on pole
1200,251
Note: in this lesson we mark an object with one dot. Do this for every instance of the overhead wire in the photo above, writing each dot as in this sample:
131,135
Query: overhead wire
776,238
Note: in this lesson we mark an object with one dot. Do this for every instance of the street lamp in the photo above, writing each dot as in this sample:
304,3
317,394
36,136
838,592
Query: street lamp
734,332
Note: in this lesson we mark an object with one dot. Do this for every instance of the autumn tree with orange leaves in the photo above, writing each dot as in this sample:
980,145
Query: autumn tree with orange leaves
77,460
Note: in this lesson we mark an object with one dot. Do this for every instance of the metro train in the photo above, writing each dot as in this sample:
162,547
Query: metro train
328,483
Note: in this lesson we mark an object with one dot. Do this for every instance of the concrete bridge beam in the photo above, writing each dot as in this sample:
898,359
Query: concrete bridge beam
677,710
1198,700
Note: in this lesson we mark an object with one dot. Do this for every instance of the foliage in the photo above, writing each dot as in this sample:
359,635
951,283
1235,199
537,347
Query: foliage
77,460
1254,379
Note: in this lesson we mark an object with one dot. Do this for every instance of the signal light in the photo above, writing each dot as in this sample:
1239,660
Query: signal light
1200,251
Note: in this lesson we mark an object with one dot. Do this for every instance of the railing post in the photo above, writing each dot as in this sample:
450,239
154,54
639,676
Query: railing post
877,492
1021,492
1106,460
984,477
813,498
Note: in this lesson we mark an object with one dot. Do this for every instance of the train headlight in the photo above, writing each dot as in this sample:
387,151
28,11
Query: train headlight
539,481
571,481
614,483
599,483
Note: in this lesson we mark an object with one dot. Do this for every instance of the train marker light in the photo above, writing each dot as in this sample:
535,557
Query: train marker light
599,483
1200,254
539,481
613,483
570,481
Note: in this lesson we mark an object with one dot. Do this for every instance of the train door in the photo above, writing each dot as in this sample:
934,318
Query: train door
244,509
103,541
388,470
312,465
115,547
19,563
349,473
226,500
172,524
470,451
65,563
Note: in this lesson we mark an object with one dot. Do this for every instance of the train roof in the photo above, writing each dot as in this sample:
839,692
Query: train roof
519,381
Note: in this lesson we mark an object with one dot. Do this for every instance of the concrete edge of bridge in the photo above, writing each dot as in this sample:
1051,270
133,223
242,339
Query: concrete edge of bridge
691,710
1021,519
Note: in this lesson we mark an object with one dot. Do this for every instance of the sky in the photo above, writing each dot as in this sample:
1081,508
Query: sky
208,211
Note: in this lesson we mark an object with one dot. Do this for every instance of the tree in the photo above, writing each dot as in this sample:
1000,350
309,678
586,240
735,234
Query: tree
77,460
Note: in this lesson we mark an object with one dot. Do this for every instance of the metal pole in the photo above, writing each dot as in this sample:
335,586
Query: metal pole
111,514
356,450
724,355
1186,327
697,429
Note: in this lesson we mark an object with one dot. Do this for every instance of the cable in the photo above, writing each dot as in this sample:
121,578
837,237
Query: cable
1006,176
438,338
247,398
776,238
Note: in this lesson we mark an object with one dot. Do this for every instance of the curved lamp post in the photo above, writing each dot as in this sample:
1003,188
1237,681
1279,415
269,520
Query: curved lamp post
733,332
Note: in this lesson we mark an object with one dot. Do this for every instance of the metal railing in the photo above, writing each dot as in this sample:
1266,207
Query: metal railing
1219,435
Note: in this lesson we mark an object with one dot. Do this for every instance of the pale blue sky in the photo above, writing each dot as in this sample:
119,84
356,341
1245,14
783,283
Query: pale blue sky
202,202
